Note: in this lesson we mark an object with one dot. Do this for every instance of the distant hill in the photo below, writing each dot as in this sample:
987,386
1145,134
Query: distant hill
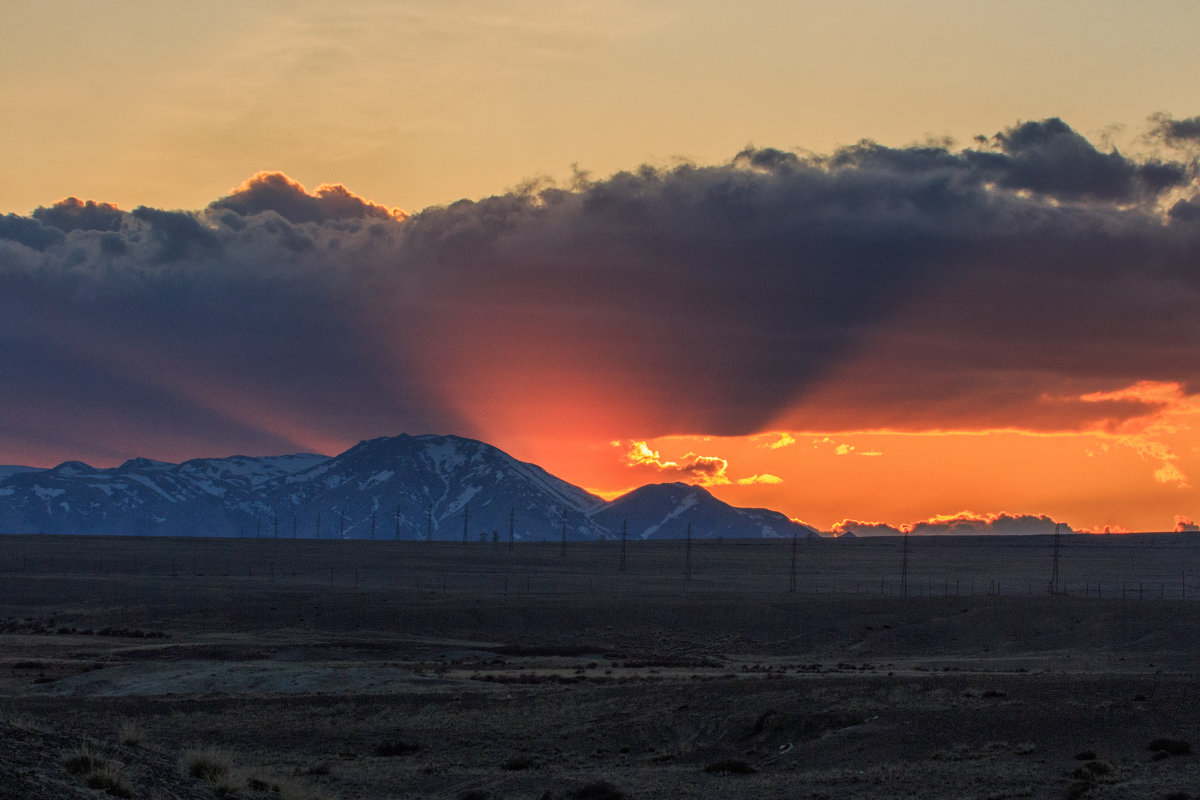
665,510
408,487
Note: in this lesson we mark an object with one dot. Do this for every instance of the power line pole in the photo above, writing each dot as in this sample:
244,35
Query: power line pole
792,580
512,522
397,536
687,558
466,521
276,526
904,569
372,526
429,525
1054,588
342,528
563,549
624,536
318,524
293,526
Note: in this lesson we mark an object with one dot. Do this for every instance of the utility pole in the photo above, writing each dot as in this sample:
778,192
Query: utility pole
687,558
397,537
1054,588
563,550
372,526
276,526
293,526
512,521
258,529
342,529
792,580
904,569
624,536
318,524
466,520
429,526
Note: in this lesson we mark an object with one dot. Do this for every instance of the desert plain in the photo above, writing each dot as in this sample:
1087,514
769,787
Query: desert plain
293,669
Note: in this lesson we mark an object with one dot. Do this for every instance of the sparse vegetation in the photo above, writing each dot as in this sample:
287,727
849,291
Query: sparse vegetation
131,734
98,772
208,764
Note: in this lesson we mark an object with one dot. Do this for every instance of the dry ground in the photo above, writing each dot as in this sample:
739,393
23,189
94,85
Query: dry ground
407,670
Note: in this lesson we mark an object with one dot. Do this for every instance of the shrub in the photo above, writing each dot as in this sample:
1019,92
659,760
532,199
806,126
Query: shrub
131,734
98,772
600,790
396,748
1174,747
730,767
209,764
520,762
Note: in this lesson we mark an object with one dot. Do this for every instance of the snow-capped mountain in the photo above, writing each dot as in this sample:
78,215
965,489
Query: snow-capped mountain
666,510
408,487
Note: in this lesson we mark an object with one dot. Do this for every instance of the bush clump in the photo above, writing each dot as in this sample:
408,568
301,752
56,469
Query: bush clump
396,747
98,772
730,767
208,764
599,790
1172,747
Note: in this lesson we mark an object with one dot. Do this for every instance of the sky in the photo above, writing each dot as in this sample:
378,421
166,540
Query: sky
880,266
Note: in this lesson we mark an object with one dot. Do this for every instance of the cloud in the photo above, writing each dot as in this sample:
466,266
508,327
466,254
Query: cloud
784,440
964,522
1185,524
274,191
908,288
29,232
764,479
73,214
1175,131
703,470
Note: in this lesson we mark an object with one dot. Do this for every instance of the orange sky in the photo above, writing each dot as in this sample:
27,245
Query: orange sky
944,258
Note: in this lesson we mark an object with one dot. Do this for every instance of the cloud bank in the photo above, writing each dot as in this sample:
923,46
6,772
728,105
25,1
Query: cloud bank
910,288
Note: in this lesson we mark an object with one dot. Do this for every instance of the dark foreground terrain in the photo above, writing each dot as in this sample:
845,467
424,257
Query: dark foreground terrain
171,668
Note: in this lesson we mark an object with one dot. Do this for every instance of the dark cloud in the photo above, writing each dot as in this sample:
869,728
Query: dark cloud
1050,158
274,191
73,214
875,287
1176,131
957,524
29,232
177,233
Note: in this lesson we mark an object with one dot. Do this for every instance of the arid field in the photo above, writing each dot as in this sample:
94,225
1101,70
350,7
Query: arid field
265,668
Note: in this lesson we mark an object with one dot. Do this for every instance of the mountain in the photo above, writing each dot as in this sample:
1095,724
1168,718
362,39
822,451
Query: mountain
434,486
408,487
665,510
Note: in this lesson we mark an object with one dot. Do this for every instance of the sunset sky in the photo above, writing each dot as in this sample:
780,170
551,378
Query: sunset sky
871,264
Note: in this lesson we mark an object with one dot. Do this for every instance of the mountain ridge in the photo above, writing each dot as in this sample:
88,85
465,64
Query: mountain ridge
427,486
